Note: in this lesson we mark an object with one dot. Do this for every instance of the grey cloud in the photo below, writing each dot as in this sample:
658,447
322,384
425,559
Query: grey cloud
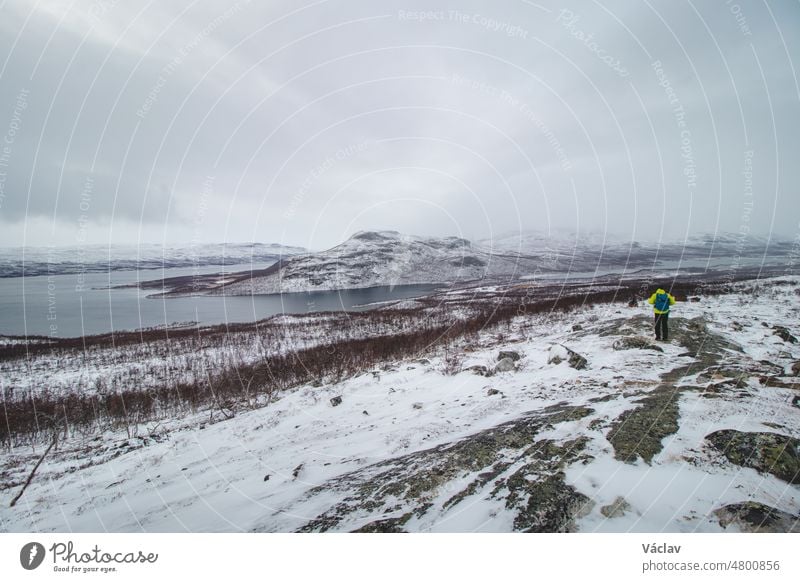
481,118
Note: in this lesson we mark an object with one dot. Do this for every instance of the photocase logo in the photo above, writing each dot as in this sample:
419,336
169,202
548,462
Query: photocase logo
31,556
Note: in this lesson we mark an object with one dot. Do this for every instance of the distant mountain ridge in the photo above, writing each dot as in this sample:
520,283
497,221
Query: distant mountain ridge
378,258
33,261
388,258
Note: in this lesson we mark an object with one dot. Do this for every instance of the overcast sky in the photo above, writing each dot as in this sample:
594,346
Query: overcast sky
303,122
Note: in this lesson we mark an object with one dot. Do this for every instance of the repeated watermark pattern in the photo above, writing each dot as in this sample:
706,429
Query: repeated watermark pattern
7,146
679,113
491,24
741,20
198,223
168,70
81,237
569,20
527,112
745,218
316,173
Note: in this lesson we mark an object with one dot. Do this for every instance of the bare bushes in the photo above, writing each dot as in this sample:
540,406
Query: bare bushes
254,362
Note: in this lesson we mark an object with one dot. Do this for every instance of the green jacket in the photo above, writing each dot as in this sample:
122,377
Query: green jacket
652,301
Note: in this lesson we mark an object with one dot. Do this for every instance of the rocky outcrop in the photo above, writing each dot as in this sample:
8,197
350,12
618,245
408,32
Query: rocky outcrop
638,432
505,464
766,452
757,517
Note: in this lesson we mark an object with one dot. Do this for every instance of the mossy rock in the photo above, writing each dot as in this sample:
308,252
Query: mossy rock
751,516
551,506
766,452
616,508
638,432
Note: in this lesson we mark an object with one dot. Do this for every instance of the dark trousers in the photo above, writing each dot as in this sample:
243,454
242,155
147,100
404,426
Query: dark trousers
662,330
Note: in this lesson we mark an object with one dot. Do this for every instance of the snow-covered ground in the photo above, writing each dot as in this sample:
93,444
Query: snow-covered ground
405,447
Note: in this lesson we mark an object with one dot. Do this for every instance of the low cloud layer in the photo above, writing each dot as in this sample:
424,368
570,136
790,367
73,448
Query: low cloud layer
208,121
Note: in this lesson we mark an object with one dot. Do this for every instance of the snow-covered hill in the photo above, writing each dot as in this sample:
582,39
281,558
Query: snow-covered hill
563,251
371,259
387,258
32,261
700,434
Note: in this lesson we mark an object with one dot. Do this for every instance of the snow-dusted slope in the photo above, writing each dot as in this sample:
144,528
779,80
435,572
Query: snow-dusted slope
635,441
371,259
31,261
563,251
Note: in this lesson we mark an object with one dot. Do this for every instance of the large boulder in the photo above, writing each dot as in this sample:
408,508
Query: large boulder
766,452
514,356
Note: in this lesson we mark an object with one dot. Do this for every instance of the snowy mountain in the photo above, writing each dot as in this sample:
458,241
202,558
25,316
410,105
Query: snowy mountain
388,258
32,261
371,259
564,251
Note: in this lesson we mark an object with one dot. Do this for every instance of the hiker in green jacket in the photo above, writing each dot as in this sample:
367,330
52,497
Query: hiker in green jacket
661,300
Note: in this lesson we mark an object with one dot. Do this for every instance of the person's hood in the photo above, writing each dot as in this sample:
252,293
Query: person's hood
660,291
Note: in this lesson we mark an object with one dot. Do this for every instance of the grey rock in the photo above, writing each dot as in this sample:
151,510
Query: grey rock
766,452
493,391
479,370
535,492
796,369
616,508
505,365
751,516
417,406
577,361
560,352
336,401
784,334
514,356
634,343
